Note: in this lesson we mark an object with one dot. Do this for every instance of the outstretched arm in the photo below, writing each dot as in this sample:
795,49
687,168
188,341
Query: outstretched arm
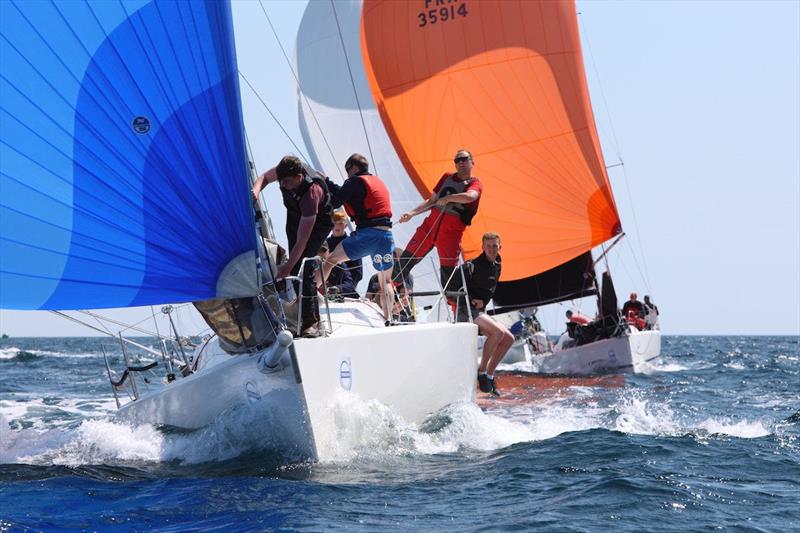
421,208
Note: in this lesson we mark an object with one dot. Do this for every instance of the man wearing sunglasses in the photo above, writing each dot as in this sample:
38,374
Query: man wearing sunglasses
453,205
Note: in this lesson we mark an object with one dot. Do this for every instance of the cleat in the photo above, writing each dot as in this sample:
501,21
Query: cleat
493,391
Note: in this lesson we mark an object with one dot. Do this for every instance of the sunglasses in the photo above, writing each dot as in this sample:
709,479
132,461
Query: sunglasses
461,159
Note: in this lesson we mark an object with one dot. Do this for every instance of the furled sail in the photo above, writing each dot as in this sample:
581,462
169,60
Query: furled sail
123,166
506,81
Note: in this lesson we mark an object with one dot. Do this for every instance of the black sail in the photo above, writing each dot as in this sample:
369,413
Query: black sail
571,280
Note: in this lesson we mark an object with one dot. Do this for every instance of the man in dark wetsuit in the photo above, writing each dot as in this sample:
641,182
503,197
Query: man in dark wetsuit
481,275
338,234
307,199
453,204
366,199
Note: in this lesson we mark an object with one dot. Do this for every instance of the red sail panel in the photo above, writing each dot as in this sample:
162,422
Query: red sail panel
506,81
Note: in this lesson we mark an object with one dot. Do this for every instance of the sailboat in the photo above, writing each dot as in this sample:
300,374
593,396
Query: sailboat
505,80
126,180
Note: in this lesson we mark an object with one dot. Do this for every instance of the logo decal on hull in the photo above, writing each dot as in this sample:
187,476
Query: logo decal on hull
345,374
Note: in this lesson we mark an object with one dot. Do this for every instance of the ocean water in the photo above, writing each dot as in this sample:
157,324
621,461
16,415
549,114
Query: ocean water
708,439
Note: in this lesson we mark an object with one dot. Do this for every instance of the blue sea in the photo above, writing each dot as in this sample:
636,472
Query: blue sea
708,439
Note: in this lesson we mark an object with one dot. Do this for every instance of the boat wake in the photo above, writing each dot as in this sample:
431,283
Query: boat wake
363,432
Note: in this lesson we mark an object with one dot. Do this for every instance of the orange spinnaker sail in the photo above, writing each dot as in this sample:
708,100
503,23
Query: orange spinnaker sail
506,81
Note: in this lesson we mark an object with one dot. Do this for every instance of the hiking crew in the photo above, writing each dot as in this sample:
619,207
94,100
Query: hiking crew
453,205
366,199
481,275
307,199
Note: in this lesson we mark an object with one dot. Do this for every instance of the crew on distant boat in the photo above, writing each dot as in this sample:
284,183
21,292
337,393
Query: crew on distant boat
634,312
354,266
652,312
366,199
454,202
577,318
307,199
481,275
340,283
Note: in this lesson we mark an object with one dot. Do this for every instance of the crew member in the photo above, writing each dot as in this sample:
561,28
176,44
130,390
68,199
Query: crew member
481,275
652,312
453,205
634,312
307,198
354,266
340,283
577,318
366,199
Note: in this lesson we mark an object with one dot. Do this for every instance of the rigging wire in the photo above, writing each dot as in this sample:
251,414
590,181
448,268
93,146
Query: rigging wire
278,122
353,83
305,98
643,274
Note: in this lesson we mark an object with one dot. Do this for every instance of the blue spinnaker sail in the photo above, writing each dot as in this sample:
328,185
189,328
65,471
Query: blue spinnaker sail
123,168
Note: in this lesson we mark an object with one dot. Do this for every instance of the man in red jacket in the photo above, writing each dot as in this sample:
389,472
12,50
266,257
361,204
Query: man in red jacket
453,204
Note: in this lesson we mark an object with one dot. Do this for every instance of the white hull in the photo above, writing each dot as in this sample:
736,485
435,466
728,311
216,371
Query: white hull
629,353
415,370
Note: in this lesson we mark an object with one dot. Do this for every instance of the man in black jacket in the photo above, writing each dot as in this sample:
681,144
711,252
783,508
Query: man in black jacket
481,275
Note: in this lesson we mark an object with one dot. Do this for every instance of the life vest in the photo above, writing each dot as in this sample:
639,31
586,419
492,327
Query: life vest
292,199
376,207
453,186
635,320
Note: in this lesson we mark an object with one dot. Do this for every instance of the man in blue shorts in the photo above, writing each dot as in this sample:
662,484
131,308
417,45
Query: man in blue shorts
366,199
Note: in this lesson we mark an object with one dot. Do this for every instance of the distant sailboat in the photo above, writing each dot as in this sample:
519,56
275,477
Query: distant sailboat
505,80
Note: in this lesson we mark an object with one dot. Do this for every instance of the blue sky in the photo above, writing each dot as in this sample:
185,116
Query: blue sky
701,100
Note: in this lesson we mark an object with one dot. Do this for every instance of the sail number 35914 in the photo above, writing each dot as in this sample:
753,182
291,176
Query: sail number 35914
441,11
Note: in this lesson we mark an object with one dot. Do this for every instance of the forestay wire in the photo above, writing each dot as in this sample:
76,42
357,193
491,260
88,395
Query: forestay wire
353,83
305,98
278,122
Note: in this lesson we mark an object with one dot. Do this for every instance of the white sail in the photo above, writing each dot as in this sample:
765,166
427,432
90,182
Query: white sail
338,117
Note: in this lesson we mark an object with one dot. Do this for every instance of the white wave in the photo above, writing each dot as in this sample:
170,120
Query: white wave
669,366
33,410
12,352
78,355
356,430
369,430
734,366
9,353
638,416
742,429
109,441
